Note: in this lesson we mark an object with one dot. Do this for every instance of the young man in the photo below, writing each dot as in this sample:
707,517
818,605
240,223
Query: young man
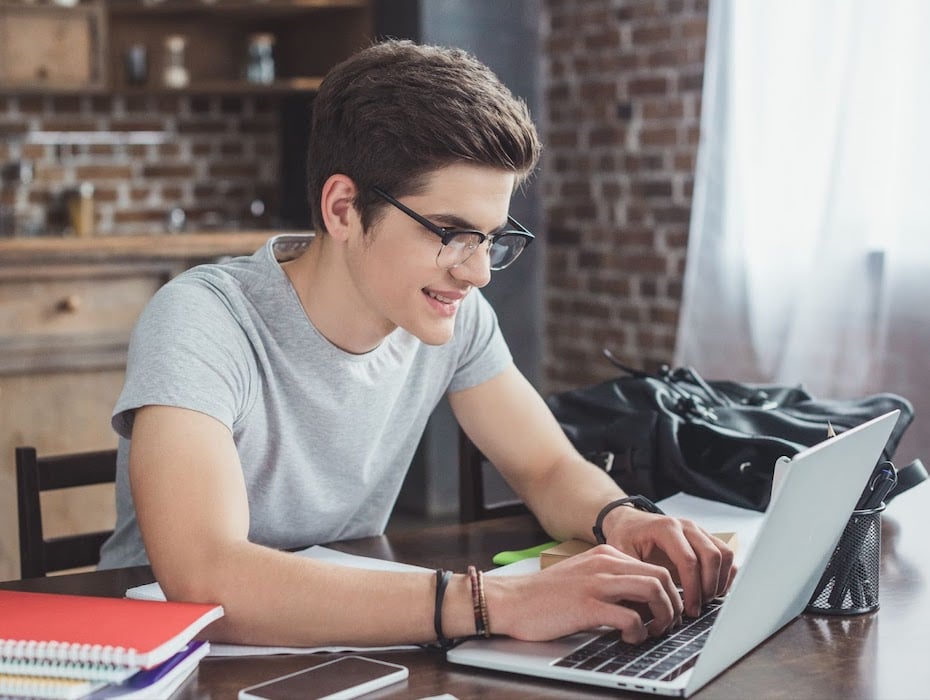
271,404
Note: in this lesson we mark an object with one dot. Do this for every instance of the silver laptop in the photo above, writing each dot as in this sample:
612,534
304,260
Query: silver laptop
801,527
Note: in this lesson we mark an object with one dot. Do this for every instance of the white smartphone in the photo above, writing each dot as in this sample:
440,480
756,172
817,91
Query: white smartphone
339,679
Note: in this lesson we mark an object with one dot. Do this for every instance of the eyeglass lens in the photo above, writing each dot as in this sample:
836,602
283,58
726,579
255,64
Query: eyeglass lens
457,250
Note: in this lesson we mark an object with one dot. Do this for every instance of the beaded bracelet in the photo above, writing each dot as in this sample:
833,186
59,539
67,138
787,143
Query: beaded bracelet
479,605
484,604
443,576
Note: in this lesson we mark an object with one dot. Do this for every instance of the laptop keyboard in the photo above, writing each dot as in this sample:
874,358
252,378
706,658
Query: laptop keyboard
663,658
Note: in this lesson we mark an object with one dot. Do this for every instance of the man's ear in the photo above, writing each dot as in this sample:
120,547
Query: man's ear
337,206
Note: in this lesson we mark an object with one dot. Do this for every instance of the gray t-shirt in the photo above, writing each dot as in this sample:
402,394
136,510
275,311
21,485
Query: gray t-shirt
325,437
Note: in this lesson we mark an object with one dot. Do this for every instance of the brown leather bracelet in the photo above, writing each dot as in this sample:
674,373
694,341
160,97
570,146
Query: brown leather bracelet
442,581
638,502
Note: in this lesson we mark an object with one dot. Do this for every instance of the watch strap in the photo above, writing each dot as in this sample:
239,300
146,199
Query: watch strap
638,502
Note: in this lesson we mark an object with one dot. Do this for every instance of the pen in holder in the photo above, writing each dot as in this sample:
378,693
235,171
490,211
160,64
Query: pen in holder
849,585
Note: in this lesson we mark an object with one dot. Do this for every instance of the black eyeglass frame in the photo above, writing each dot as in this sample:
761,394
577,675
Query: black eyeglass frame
447,234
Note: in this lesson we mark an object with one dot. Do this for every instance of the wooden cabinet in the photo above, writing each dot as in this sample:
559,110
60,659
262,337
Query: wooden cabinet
86,48
66,311
45,47
68,316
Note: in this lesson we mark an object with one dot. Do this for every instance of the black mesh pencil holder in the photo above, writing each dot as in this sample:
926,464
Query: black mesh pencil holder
849,585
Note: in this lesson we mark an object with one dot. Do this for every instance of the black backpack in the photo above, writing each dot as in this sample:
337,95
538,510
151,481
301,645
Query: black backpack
658,434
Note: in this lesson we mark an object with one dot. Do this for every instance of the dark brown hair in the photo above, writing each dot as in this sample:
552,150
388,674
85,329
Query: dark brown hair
397,111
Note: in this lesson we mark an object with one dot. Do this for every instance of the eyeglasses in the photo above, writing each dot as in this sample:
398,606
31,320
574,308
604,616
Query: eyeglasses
458,245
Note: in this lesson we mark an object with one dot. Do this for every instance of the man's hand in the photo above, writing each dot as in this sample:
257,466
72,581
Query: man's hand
601,586
703,564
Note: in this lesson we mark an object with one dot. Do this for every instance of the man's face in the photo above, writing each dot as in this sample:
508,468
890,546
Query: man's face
394,264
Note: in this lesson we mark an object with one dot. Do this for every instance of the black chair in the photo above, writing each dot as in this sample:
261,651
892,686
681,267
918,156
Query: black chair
37,555
483,494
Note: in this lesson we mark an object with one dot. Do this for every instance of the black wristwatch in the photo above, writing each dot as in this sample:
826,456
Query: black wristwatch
638,502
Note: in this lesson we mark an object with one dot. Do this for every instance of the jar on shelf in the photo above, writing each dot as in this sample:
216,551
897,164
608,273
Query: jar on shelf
260,68
175,73
81,210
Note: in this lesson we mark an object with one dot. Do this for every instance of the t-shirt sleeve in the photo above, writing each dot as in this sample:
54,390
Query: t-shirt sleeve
187,350
484,353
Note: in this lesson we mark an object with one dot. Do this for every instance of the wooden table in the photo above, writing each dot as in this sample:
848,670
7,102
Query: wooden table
885,654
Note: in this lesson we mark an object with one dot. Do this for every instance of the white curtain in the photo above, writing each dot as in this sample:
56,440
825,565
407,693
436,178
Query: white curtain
809,250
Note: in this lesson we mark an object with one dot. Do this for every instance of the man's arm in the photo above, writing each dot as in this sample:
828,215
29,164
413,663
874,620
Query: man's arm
511,424
193,512
192,509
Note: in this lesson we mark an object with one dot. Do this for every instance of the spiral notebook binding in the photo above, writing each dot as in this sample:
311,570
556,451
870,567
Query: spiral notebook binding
49,688
80,670
14,649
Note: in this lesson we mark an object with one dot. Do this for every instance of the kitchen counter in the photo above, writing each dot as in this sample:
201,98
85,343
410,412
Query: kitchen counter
167,247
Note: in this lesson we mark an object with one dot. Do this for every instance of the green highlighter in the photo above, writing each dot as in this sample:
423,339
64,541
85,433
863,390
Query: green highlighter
503,558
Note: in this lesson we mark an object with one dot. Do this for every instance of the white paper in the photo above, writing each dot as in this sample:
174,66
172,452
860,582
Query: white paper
357,561
715,516
152,591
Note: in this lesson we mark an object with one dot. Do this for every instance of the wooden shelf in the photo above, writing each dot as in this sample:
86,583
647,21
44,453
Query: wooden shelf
310,37
15,252
283,86
265,8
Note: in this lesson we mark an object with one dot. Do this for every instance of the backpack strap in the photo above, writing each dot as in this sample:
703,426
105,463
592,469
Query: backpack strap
908,477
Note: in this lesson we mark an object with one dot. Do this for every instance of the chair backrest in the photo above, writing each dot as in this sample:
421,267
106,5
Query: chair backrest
475,492
37,555
479,483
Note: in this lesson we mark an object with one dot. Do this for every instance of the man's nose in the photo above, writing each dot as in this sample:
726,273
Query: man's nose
477,269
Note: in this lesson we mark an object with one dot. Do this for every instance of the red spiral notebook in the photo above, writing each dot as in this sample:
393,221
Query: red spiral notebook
115,631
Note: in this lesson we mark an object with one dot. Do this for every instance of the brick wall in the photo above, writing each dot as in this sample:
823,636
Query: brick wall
145,154
622,83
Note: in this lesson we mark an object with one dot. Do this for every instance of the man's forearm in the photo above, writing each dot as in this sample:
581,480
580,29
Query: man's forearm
281,599
567,497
